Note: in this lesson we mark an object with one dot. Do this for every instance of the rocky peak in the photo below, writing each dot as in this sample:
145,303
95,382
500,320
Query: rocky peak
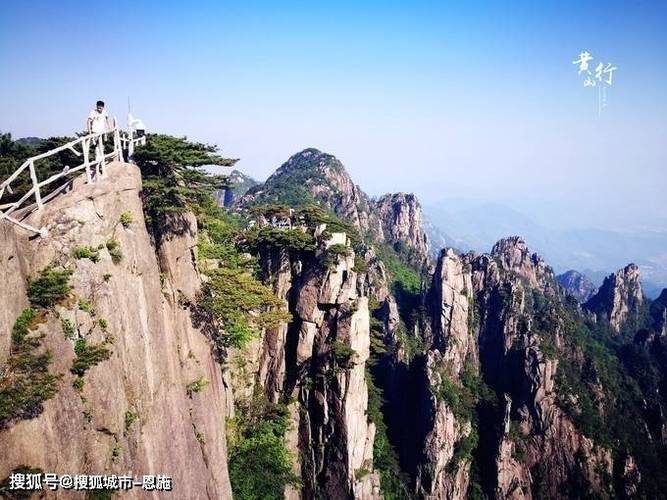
237,185
659,313
619,298
312,176
577,284
401,218
513,255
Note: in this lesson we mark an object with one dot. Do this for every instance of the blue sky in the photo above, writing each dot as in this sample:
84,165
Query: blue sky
472,100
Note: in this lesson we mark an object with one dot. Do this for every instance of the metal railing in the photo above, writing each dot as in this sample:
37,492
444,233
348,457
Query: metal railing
94,169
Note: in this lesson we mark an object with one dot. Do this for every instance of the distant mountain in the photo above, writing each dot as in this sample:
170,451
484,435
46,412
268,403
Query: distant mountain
239,184
30,141
619,299
314,177
577,284
595,252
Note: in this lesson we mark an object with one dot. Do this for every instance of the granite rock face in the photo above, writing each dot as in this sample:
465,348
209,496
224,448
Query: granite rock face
619,299
156,350
482,310
401,218
317,361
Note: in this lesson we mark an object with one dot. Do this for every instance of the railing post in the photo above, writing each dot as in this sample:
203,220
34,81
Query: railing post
130,146
35,183
86,158
116,145
99,157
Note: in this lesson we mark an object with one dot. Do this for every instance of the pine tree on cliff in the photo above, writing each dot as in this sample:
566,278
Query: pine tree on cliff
173,175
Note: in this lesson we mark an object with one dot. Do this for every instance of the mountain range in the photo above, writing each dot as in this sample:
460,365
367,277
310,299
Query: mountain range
594,252
307,342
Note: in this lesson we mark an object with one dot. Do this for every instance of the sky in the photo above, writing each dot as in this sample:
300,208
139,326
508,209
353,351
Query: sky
461,100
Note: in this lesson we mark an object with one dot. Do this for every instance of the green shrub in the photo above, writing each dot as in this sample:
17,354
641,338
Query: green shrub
238,332
126,218
86,306
104,324
339,249
463,449
49,287
360,265
90,253
333,254
25,382
260,466
113,246
78,383
131,416
68,328
88,355
231,296
197,385
291,239
343,355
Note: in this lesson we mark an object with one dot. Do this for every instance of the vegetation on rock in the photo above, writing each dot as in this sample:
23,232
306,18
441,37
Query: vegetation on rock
49,287
26,382
88,355
260,466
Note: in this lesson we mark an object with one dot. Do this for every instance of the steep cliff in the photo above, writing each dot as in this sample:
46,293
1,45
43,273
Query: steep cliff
401,218
133,411
619,299
316,363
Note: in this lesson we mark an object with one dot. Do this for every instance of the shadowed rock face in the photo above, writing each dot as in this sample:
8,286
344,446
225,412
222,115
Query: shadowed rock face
619,299
156,351
577,285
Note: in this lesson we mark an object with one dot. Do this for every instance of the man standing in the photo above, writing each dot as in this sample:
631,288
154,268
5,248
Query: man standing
97,120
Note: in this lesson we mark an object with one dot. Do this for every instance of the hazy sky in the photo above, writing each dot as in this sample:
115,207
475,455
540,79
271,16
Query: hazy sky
473,101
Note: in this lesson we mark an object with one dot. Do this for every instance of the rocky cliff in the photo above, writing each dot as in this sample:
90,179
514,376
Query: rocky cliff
401,218
619,299
317,362
132,412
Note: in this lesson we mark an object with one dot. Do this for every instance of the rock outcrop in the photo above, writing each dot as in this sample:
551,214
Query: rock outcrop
401,218
318,362
313,176
133,412
619,299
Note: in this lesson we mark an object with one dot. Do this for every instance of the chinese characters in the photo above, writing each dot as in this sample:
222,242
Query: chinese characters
601,77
